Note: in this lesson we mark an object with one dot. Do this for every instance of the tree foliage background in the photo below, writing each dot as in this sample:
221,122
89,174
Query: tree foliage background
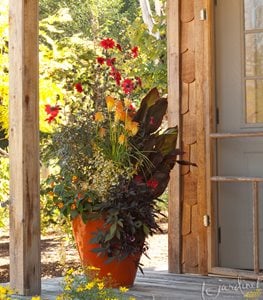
69,31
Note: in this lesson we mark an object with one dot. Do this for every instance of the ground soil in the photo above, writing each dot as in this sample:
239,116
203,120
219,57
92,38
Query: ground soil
59,254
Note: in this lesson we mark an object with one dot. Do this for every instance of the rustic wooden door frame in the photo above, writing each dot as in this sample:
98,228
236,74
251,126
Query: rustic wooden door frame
211,137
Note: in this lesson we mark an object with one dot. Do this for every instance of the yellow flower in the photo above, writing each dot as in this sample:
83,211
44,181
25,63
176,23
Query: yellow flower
127,102
134,128
36,298
93,268
51,194
110,103
131,126
80,289
122,139
100,286
5,291
90,285
123,289
70,271
99,116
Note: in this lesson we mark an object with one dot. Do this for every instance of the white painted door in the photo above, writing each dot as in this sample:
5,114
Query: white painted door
239,99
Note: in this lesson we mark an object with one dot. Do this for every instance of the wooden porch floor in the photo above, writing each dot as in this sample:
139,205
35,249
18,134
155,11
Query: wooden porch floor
161,285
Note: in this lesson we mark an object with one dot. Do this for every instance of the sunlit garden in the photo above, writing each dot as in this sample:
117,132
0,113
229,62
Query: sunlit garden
105,149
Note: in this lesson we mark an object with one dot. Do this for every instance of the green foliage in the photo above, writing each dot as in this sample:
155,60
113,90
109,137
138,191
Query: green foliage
152,66
4,191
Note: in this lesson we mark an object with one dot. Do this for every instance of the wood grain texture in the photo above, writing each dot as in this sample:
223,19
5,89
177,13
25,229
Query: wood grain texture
185,169
188,66
201,93
187,33
24,148
189,128
187,10
186,220
191,257
185,98
190,189
174,205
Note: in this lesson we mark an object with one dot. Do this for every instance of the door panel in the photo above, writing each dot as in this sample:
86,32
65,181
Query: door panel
239,111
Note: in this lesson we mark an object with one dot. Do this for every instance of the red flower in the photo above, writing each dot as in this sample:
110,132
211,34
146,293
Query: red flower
132,107
135,51
152,121
116,75
127,86
52,111
101,60
139,81
138,178
107,43
152,183
78,87
110,61
118,46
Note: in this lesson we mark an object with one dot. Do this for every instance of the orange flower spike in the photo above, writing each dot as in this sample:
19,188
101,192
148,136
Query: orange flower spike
110,101
73,206
74,179
99,116
51,194
118,116
80,195
60,205
102,132
122,139
119,106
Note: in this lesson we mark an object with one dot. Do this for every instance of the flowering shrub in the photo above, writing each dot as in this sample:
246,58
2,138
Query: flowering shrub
113,158
90,286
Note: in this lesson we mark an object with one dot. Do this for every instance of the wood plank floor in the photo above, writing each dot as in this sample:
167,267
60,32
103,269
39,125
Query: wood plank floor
161,285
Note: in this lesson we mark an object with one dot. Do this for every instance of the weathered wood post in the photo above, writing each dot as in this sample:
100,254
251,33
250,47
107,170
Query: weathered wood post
173,54
24,148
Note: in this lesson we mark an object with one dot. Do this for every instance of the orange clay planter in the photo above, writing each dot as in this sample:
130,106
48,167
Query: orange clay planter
122,272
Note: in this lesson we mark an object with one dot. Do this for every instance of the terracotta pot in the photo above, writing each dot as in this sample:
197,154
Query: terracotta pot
122,272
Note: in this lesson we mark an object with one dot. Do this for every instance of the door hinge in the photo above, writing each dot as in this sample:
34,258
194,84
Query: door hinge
217,115
219,235
203,15
206,220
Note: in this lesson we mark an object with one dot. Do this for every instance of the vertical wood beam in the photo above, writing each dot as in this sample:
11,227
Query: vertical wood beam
201,94
24,148
174,207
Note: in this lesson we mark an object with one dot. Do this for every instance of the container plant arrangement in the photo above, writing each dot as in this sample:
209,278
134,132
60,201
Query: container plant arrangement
114,162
